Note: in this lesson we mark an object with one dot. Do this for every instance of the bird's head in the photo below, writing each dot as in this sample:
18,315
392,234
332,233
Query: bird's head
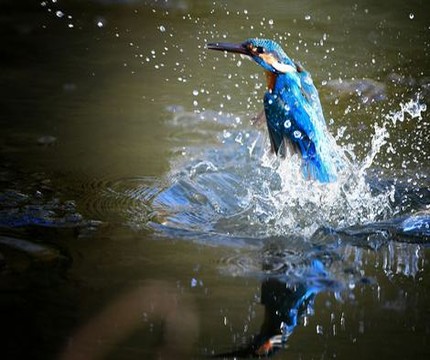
264,52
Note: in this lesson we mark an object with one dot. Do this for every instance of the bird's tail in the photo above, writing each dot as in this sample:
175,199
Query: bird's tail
323,160
315,169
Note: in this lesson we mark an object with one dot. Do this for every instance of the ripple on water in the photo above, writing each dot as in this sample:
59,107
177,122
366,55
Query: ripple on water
123,200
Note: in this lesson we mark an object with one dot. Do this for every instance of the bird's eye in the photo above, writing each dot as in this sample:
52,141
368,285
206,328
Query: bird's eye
260,49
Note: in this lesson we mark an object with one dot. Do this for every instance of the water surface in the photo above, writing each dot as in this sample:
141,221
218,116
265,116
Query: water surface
142,215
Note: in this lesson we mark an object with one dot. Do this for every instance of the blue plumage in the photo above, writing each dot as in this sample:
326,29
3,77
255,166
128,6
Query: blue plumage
292,108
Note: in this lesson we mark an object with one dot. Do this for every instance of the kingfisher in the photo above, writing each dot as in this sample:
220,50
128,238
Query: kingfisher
292,109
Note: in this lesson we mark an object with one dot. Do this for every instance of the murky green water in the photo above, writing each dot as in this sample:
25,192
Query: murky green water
140,215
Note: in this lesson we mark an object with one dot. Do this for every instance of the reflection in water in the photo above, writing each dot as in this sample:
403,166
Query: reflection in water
286,301
288,292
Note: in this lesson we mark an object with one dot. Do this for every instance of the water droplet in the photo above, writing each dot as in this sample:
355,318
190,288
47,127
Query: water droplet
297,134
271,21
195,92
59,14
287,124
411,16
307,17
100,24
239,138
319,329
70,26
162,28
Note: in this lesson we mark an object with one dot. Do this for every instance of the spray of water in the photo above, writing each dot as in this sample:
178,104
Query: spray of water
240,189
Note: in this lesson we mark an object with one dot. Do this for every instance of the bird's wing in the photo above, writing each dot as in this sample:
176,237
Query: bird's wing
290,121
333,159
289,125
310,92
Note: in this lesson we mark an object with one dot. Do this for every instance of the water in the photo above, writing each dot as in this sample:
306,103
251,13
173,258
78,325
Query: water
241,190
142,215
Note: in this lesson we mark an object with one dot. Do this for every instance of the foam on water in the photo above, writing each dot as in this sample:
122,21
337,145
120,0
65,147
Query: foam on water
301,206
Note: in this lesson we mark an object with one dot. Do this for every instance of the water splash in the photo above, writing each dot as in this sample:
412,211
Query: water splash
414,108
225,187
225,184
301,206
241,190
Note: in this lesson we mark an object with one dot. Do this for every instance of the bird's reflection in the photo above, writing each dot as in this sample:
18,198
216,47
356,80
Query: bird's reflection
286,300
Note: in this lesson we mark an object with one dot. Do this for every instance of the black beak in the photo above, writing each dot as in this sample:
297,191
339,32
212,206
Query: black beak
229,47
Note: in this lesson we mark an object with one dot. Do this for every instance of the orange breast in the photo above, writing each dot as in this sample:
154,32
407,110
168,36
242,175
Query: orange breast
271,79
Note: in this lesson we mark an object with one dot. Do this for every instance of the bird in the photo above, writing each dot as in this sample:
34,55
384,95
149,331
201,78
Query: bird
292,109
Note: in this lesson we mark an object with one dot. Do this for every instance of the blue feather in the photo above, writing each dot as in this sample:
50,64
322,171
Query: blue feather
295,123
294,116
